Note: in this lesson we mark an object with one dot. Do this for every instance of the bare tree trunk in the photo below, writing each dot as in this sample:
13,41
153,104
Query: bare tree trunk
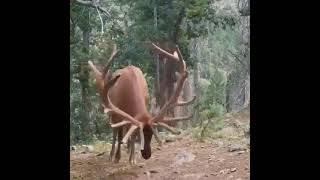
157,82
244,7
196,79
170,81
84,82
85,100
186,94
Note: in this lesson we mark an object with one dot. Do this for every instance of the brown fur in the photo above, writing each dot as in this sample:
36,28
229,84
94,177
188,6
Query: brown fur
130,94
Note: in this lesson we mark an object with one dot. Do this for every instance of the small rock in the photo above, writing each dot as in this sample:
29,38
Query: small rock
158,148
89,148
141,165
202,146
176,172
235,147
149,172
169,140
214,174
100,154
233,169
222,171
246,168
241,152
206,175
73,148
153,171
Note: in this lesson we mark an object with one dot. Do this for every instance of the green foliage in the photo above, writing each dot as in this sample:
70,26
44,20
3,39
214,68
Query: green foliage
212,129
216,125
130,25
213,91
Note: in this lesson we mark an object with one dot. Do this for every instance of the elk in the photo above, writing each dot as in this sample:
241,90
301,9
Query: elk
125,97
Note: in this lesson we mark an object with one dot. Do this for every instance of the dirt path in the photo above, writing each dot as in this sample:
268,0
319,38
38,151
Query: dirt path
183,159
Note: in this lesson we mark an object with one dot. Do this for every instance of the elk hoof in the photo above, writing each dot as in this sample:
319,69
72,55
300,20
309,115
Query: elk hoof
110,159
133,162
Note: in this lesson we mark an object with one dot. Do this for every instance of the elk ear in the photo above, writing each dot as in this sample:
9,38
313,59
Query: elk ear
113,80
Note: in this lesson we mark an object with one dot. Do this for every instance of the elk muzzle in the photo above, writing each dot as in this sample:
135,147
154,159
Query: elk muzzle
146,152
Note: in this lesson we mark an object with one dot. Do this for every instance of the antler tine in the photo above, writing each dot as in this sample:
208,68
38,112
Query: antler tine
122,123
109,62
170,56
174,98
184,103
114,109
141,138
177,118
183,67
130,131
171,129
155,133
94,68
111,58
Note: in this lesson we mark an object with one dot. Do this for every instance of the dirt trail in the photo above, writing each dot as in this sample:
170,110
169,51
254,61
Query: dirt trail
183,159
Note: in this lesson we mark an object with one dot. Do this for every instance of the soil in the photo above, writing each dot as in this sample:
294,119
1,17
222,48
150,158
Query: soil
183,159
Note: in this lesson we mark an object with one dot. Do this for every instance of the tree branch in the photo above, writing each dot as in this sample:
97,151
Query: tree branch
244,7
238,59
93,4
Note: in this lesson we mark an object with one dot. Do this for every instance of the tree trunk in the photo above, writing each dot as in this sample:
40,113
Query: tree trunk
167,80
196,79
186,94
238,91
84,82
244,7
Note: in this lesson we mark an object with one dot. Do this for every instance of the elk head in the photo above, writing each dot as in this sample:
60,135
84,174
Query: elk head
146,123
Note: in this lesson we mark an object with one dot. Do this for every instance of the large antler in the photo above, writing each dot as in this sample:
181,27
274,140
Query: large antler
108,64
173,101
129,119
110,60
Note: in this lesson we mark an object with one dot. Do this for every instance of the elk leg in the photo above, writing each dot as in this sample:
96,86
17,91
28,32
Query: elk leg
114,138
132,159
128,147
118,153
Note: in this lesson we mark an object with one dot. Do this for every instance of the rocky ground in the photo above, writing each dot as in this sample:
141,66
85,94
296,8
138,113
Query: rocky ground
181,157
